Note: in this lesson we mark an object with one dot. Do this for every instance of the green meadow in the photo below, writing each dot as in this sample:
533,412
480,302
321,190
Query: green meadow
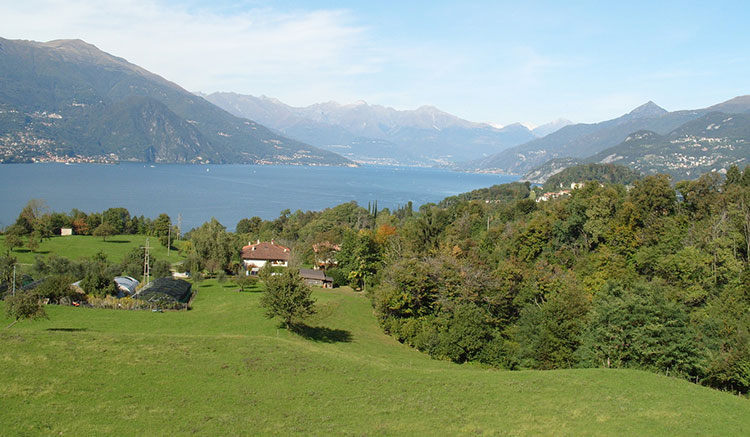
83,246
222,368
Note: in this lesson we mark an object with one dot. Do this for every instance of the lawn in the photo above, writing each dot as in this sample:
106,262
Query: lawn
83,246
224,369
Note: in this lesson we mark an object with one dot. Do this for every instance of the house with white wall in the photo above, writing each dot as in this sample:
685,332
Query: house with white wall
256,256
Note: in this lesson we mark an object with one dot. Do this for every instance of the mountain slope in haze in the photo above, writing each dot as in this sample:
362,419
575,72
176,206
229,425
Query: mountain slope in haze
551,127
713,142
373,133
66,98
583,140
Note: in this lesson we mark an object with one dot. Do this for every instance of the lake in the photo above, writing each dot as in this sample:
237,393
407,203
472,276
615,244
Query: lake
226,192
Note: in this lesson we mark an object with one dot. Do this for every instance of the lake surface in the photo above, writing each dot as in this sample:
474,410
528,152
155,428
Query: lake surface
227,192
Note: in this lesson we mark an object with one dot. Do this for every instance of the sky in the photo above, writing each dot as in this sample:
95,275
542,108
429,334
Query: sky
487,61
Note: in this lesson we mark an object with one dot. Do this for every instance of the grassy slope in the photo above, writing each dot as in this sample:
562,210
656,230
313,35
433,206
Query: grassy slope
224,369
82,246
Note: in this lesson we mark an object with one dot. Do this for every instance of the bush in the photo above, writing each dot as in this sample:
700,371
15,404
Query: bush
59,290
24,305
339,277
245,282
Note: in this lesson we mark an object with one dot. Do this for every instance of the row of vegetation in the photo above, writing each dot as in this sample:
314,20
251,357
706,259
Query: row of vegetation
610,276
36,223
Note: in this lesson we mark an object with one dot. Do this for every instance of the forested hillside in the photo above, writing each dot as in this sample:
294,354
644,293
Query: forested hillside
603,173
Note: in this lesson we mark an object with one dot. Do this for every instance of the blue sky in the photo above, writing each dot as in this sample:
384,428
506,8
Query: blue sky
491,61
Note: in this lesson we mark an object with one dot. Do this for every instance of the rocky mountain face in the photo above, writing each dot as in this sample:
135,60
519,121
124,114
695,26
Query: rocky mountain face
378,134
68,100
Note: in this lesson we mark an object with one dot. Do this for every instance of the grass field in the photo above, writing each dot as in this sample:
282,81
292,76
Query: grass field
83,246
224,369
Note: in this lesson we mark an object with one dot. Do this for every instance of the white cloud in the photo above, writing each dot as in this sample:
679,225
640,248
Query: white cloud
253,51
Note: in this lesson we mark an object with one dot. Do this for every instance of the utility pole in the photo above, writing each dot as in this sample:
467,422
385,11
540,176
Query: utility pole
179,226
169,237
14,279
146,268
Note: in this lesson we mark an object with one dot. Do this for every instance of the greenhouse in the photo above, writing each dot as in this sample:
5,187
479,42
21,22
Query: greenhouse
175,289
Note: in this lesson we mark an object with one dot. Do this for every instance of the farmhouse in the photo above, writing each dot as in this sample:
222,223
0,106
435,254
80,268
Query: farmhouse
317,278
255,256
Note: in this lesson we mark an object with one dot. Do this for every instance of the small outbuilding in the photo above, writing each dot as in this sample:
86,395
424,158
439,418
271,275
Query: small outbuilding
65,232
316,278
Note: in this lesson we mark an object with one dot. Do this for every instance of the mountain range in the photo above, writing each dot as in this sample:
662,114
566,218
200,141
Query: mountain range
66,99
377,134
632,140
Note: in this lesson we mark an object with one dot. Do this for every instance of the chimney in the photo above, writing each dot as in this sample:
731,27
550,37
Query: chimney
258,241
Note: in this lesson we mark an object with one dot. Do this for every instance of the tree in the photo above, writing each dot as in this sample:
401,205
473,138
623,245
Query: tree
244,282
638,327
359,258
98,280
249,226
104,230
132,263
162,269
288,297
6,268
211,242
161,226
24,305
58,289
117,218
12,241
33,242
30,214
99,285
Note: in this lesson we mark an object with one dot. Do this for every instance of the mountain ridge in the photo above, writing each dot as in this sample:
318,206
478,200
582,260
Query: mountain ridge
581,140
62,99
710,143
376,133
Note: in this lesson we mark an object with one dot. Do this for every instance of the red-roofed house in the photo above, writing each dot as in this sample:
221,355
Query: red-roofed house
257,255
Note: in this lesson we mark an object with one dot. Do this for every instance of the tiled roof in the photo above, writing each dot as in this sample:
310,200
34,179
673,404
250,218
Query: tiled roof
266,251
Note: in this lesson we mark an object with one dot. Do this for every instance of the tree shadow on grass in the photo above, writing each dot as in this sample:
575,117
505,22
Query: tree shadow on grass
322,334
116,241
67,329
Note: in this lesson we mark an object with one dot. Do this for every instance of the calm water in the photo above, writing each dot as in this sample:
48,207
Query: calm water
227,192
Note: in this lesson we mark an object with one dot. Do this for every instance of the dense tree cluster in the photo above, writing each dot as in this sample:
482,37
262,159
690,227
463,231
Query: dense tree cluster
604,173
607,277
36,222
